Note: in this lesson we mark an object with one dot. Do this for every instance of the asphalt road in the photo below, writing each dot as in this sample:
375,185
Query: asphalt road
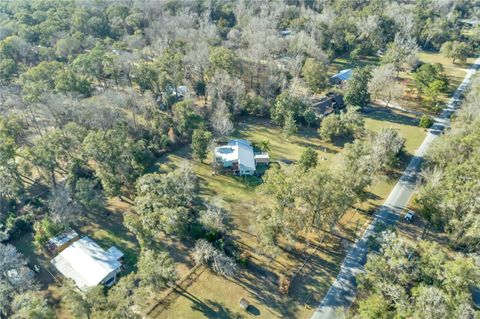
342,292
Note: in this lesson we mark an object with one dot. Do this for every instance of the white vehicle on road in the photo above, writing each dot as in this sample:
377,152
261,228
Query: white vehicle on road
409,216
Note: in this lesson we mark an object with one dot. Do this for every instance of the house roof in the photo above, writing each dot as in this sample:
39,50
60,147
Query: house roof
237,150
86,263
476,296
63,238
114,253
343,75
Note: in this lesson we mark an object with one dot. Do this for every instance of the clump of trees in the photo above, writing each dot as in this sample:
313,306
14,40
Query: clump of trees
349,124
419,281
302,198
164,202
455,50
448,197
429,80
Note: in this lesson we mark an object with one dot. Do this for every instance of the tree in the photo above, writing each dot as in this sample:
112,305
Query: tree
224,59
430,78
264,145
48,152
145,75
31,305
426,121
201,139
205,253
433,90
163,200
68,81
285,103
349,124
314,74
88,194
221,122
373,307
383,79
309,116
401,52
78,305
308,159
455,50
171,70
357,88
213,217
8,70
11,286
156,270
290,125
331,127
63,208
120,159
387,145
39,79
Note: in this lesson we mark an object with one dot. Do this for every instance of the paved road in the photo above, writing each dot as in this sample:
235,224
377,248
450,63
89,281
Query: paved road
342,292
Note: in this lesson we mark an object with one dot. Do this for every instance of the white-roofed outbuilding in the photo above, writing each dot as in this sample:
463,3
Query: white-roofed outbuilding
88,265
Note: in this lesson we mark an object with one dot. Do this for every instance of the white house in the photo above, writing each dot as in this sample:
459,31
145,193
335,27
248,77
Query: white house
88,265
239,156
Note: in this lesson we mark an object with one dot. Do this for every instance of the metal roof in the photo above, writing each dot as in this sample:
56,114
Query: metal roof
237,150
86,263
343,75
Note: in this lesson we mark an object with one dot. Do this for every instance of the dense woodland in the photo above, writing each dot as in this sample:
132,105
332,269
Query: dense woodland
93,93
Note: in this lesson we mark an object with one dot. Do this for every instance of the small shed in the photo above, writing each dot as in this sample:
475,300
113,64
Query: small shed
262,158
60,242
244,303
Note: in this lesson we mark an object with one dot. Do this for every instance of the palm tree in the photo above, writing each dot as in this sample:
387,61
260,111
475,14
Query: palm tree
264,145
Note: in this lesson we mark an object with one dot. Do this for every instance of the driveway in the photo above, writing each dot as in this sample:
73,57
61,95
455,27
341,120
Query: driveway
342,292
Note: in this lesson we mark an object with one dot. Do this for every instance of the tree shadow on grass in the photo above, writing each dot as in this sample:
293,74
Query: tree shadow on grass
209,308
385,114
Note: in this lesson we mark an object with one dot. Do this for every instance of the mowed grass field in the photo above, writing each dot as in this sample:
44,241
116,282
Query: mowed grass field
211,296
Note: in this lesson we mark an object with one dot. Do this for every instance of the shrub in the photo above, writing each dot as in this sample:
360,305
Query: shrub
426,121
46,229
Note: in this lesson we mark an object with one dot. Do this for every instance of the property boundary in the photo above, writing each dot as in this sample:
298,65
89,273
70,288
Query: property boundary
172,293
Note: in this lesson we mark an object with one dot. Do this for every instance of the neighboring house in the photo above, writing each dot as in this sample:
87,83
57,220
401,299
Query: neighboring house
341,77
88,265
238,155
327,104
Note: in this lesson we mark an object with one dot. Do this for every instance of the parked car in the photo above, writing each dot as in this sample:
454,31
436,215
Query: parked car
409,216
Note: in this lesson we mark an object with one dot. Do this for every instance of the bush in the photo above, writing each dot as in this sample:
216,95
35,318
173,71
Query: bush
426,121
243,258
284,285
46,229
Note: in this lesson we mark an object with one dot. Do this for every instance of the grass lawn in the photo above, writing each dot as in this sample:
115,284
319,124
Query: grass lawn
211,296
